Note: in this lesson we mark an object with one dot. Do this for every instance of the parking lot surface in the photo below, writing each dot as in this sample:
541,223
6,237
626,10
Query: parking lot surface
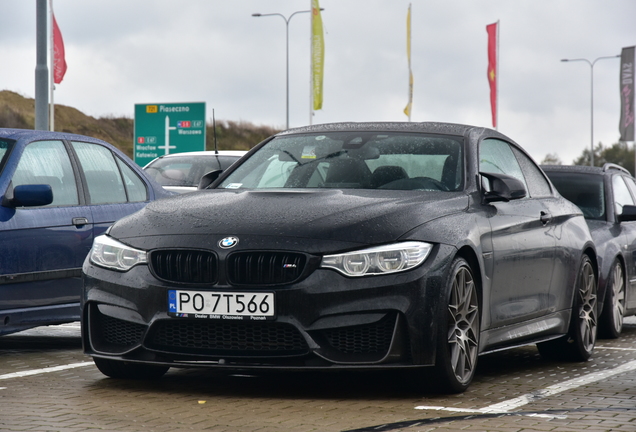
48,384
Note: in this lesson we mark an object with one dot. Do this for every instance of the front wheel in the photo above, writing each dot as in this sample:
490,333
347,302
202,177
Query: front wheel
578,344
458,337
126,370
611,321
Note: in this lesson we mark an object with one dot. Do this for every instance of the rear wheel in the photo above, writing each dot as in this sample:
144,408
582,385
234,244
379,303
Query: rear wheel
578,344
458,338
126,370
611,321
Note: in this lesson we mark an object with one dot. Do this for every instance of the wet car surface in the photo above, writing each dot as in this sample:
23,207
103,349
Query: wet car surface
356,246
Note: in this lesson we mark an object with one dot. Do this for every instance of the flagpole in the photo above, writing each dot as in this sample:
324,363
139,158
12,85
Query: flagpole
41,70
311,63
51,69
497,81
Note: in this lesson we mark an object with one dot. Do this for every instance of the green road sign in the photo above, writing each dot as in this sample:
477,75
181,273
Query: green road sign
161,129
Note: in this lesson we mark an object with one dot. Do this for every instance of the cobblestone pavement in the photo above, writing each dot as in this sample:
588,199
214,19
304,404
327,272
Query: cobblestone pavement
47,384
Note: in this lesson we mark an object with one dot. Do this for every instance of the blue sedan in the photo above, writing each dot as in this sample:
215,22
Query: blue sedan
59,191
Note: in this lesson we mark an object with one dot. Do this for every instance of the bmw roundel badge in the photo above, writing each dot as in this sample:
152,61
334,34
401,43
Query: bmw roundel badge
228,242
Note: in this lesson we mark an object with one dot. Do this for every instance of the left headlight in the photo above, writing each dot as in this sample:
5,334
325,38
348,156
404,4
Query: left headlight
108,252
379,260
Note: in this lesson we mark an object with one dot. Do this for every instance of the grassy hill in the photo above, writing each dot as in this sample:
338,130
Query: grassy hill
17,111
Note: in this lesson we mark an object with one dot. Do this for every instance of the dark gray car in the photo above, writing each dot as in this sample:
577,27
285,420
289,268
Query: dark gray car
348,246
607,197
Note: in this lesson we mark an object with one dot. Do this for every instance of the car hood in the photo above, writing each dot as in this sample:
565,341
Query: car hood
360,216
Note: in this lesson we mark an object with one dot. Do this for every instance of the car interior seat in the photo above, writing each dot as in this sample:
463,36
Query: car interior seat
449,173
387,174
352,173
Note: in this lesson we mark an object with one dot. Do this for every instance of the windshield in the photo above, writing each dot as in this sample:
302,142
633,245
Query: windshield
584,190
186,170
5,146
354,160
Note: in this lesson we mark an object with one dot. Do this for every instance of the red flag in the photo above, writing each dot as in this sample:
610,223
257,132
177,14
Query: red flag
59,62
492,69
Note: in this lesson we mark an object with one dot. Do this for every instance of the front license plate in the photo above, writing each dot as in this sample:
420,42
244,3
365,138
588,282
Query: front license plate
221,305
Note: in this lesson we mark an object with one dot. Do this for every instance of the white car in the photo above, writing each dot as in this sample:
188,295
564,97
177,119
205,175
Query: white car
181,172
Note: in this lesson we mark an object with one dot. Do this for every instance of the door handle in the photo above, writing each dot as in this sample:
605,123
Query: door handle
545,217
79,221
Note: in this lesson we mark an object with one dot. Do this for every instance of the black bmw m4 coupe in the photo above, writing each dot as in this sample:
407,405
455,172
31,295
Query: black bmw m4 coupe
418,246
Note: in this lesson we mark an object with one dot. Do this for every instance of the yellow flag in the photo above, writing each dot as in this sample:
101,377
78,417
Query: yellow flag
407,110
317,54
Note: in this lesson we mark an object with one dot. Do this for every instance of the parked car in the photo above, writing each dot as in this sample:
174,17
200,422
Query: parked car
59,191
181,172
607,197
348,246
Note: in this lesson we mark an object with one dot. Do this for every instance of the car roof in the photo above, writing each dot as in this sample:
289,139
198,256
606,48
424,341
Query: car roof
207,153
586,169
34,135
428,127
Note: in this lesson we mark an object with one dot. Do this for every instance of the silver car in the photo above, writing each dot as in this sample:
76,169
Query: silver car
181,172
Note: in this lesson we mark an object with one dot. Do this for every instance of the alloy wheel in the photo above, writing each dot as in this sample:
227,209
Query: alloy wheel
588,319
463,325
617,298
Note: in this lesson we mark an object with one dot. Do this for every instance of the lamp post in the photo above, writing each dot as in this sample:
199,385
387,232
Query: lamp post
591,63
287,19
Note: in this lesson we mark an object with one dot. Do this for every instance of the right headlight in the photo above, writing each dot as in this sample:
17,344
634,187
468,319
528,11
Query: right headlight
108,252
379,260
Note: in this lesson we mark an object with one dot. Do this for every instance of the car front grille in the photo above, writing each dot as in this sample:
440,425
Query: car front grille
265,268
184,266
239,338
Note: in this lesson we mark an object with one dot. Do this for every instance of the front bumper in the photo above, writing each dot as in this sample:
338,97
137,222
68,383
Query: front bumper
323,321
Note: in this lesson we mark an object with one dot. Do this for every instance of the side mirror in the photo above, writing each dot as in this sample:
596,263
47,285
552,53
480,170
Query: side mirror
503,187
33,195
628,214
208,179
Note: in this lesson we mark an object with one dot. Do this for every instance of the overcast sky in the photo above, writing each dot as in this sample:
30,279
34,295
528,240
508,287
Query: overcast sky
126,52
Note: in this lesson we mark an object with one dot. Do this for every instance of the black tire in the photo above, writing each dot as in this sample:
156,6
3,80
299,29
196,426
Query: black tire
578,344
126,370
611,320
458,336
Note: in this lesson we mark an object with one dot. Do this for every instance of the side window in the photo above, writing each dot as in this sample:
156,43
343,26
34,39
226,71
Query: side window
47,162
631,185
135,186
104,181
496,156
538,186
621,194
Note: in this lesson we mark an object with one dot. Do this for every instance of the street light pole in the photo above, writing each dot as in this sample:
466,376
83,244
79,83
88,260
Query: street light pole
287,19
591,63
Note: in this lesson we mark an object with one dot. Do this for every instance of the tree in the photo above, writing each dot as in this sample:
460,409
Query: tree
551,159
584,159
619,154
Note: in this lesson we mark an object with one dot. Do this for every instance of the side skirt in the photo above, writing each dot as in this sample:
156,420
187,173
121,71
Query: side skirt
525,333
